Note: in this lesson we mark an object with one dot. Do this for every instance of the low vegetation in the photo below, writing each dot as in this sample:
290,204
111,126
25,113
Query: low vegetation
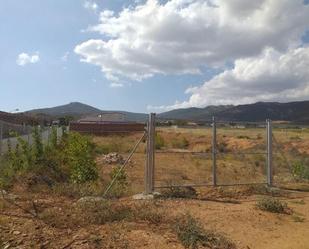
273,205
180,143
69,160
193,236
301,169
179,192
159,141
98,211
120,186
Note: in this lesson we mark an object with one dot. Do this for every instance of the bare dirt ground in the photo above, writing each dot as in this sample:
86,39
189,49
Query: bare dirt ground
233,214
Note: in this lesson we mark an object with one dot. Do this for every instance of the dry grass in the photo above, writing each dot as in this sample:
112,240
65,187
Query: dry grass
184,168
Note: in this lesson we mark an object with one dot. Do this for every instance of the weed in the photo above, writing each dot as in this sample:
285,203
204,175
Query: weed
73,190
192,235
159,141
179,192
273,205
222,147
120,186
98,211
297,218
299,202
295,138
243,137
300,169
112,146
180,143
148,211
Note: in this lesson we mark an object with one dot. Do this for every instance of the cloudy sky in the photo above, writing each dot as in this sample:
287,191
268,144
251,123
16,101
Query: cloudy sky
152,55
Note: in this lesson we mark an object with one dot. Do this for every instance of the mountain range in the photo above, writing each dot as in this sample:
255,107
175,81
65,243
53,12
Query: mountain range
297,112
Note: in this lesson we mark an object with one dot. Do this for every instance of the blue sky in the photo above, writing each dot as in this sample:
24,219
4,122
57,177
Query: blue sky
53,28
170,65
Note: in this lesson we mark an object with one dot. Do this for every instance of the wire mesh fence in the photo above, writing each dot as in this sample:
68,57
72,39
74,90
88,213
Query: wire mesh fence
186,158
234,153
291,154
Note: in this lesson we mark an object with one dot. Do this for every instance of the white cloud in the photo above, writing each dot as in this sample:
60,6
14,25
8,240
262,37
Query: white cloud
91,5
183,36
24,59
116,85
272,76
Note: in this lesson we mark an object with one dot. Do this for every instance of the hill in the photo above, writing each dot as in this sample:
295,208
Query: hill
292,111
260,111
194,113
78,110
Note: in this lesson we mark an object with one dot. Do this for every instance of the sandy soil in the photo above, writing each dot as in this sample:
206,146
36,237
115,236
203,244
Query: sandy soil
236,218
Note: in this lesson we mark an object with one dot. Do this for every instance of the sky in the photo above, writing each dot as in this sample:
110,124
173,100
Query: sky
152,56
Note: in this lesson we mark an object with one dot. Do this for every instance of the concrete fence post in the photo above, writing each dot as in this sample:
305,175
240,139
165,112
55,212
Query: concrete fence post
150,160
269,153
214,152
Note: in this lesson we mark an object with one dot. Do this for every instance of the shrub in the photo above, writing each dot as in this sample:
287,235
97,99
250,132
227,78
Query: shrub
101,212
300,170
180,143
271,204
73,190
179,192
113,146
71,158
243,137
149,212
159,141
38,149
120,186
53,138
192,235
79,156
222,147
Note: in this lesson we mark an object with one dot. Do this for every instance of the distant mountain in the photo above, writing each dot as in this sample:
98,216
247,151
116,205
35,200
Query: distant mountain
292,111
79,110
73,109
194,113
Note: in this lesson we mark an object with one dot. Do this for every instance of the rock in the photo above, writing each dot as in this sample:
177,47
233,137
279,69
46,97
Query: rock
6,246
146,197
88,199
16,232
8,196
113,158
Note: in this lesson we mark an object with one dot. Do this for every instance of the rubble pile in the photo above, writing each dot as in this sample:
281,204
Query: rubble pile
113,158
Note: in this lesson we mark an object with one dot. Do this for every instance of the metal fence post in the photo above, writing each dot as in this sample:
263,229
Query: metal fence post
269,153
214,152
150,161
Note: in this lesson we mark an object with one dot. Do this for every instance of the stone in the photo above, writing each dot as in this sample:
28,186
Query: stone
143,196
86,199
113,158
